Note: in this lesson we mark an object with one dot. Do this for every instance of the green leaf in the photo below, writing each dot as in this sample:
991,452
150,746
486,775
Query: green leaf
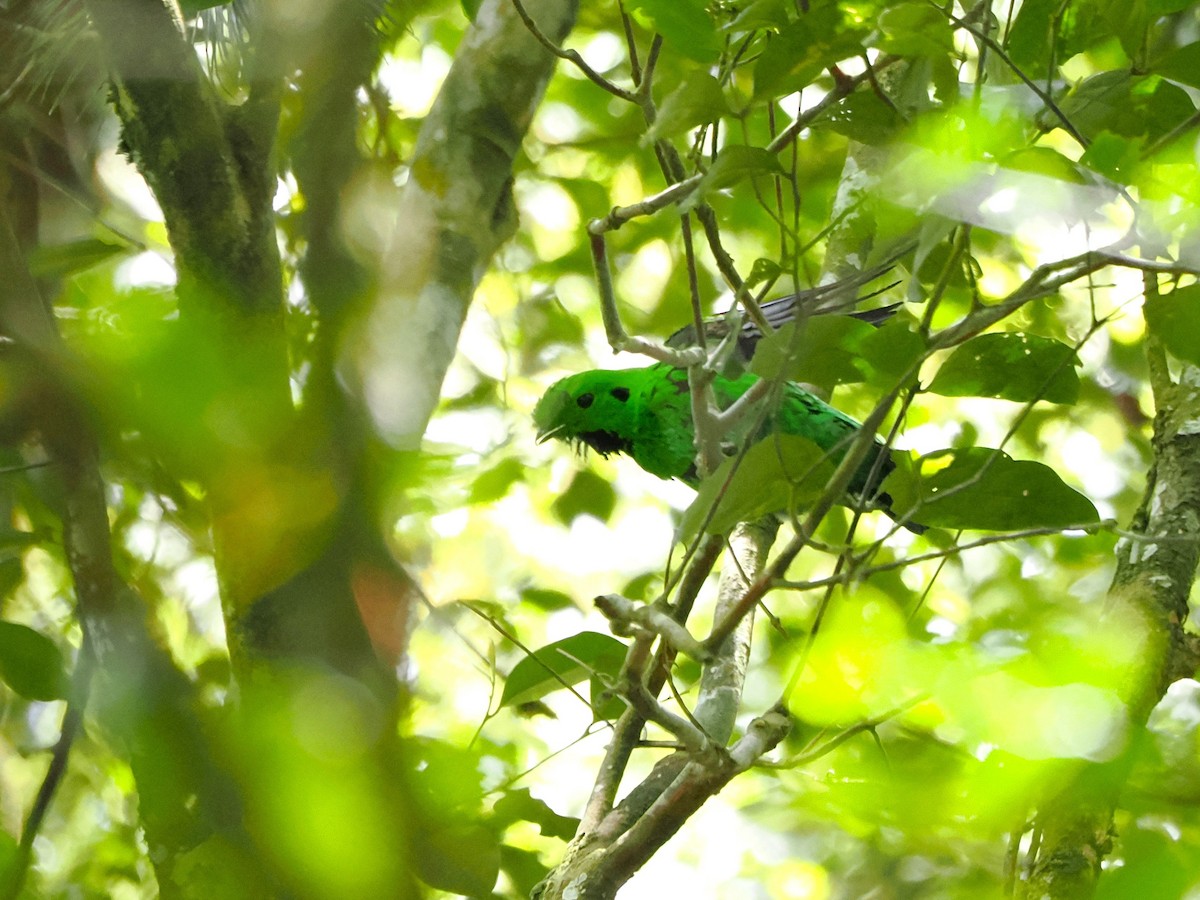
684,24
523,867
864,117
587,495
31,663
1154,867
1181,64
9,854
824,353
981,488
12,573
698,100
520,805
462,859
1163,107
1175,320
565,662
779,473
191,7
1030,37
889,352
1098,102
762,270
1113,156
56,260
1166,7
758,14
738,162
800,52
546,599
1044,161
1010,366
494,483
915,29
446,782
733,164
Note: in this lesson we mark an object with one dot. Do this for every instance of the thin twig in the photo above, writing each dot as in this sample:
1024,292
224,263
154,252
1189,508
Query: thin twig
71,723
863,574
571,56
1043,95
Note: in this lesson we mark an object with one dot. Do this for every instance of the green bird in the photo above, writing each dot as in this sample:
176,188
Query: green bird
646,414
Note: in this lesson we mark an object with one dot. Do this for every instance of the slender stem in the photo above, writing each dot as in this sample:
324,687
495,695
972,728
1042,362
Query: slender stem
71,723
571,56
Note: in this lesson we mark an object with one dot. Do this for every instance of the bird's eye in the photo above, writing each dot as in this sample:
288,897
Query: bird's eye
585,400
621,393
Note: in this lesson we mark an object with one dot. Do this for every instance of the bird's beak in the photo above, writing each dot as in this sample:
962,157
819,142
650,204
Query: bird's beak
543,436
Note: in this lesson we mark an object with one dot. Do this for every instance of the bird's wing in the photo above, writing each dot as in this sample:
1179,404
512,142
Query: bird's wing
837,298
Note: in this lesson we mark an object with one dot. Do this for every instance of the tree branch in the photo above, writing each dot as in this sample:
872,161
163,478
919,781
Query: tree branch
1149,593
455,210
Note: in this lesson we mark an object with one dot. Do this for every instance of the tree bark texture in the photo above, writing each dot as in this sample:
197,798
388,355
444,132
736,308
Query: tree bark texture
454,211
1150,591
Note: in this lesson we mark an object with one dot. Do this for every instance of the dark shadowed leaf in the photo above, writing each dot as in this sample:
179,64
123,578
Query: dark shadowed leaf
12,573
763,270
462,859
985,489
565,662
30,663
1175,320
587,495
1011,366
777,474
1044,161
524,867
56,260
519,805
190,7
1098,101
492,484
1182,65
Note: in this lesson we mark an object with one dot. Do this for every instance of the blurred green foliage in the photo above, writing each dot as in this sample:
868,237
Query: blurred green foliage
947,693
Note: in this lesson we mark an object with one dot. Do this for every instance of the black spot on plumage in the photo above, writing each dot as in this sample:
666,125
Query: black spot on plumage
621,393
585,400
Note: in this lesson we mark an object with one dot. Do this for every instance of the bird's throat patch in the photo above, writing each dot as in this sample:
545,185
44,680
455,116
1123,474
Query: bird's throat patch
606,442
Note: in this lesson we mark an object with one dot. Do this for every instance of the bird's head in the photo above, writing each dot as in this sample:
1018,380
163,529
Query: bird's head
592,408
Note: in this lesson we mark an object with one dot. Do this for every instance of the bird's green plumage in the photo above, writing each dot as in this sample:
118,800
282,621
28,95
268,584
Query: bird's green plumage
646,413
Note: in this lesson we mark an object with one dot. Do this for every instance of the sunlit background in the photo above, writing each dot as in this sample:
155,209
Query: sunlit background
1005,668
